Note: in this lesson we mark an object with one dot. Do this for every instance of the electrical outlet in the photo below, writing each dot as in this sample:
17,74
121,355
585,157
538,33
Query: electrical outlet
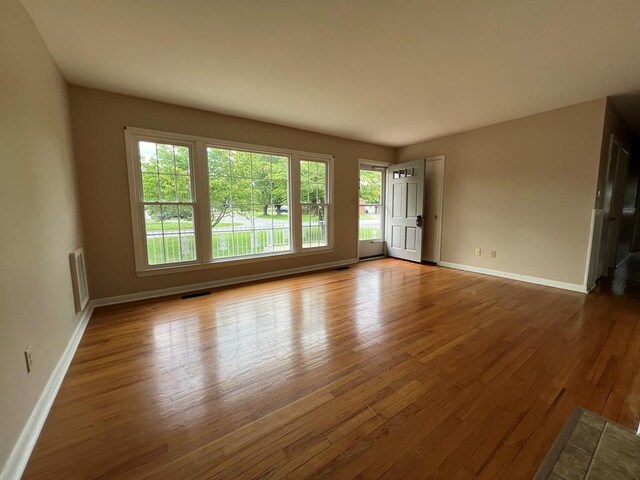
493,254
478,251
28,358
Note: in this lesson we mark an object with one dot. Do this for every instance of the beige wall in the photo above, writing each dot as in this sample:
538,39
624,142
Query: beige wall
98,121
524,188
40,222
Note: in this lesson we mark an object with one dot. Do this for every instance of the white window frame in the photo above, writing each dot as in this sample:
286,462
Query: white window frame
200,194
328,203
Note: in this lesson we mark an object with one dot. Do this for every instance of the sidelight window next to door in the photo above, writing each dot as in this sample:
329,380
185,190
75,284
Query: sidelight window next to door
371,211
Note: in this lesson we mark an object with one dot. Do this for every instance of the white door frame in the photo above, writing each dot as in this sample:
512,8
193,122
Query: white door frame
383,165
441,209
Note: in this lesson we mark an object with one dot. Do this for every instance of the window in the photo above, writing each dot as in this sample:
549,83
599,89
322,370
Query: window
371,206
249,198
196,202
313,198
167,202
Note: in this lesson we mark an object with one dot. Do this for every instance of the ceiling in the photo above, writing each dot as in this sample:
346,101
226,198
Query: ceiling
387,72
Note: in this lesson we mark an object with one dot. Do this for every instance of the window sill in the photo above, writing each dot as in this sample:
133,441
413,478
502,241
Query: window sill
228,262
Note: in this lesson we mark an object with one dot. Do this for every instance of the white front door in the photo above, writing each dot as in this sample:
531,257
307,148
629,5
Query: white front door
434,186
405,186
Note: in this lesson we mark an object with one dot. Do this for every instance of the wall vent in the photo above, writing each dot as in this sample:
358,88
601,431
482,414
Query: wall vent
79,279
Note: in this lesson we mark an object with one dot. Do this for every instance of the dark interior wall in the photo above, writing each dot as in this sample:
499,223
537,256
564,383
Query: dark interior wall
626,239
635,165
615,124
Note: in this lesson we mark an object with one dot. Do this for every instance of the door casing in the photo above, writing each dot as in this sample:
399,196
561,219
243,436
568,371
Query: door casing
434,174
373,248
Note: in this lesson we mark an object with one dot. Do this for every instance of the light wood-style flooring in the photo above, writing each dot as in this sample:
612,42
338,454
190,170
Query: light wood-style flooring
386,370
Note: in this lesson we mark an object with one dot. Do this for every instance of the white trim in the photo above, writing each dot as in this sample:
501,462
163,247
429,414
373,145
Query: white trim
100,302
376,166
373,163
517,276
595,242
162,135
17,462
441,209
328,200
200,198
226,262
79,279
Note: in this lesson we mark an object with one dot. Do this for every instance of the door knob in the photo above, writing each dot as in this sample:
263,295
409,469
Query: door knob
419,221
435,217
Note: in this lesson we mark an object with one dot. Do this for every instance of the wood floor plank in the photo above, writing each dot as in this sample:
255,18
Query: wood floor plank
385,370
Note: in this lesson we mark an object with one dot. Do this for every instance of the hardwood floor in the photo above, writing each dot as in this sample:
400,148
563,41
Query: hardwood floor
385,370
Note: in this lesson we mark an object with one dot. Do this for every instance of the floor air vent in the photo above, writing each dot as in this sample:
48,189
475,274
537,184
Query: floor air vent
346,267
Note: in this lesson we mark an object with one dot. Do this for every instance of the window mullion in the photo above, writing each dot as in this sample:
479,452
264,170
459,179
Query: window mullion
295,205
202,210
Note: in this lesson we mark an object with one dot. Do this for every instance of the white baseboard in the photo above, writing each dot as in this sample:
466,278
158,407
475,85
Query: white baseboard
516,276
17,462
100,302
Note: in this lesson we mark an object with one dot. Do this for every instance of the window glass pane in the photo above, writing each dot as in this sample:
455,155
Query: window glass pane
165,172
183,185
313,189
241,190
240,164
222,231
313,181
243,242
150,188
280,215
219,190
370,222
279,167
370,187
166,161
304,192
242,216
168,190
261,165
314,226
182,160
219,165
170,234
322,194
370,211
279,192
166,181
262,192
304,182
249,202
148,157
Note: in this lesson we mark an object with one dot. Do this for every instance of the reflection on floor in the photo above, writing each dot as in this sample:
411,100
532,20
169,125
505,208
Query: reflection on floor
385,370
624,281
